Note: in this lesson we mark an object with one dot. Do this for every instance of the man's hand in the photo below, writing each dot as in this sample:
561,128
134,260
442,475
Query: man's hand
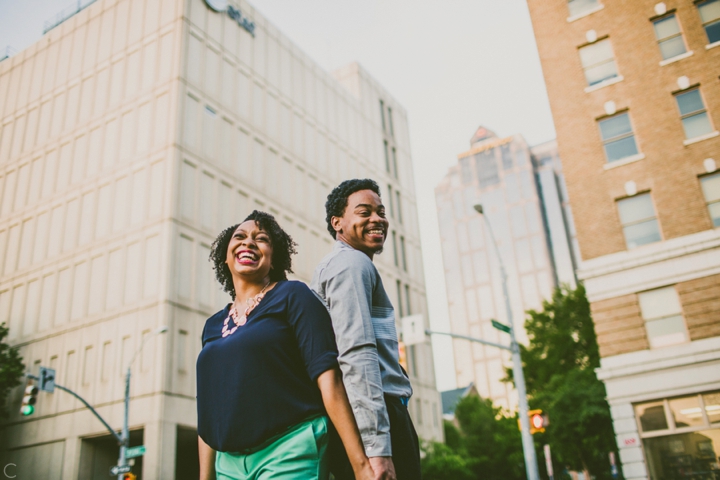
383,468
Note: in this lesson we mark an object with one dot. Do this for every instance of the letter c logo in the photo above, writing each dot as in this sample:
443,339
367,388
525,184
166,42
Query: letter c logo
6,472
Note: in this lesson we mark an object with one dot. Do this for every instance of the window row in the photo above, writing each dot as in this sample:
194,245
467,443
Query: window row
240,93
81,50
210,134
94,215
103,283
681,435
598,60
618,136
68,166
639,220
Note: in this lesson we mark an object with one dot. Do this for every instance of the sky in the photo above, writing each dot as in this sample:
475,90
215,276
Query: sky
453,64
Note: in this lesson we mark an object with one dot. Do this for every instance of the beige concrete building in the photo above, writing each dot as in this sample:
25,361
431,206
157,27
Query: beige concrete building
522,193
131,134
634,91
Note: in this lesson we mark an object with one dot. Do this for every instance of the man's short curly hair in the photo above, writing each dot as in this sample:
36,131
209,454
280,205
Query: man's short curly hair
338,198
282,244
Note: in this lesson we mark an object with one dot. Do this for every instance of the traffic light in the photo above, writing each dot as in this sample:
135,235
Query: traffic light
538,421
29,399
129,476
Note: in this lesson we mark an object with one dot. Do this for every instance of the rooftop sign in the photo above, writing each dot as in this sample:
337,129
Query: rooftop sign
221,6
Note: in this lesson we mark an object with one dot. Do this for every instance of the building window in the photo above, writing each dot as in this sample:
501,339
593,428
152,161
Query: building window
382,114
398,288
398,204
578,7
395,249
387,155
637,216
681,435
402,253
618,137
711,190
710,17
394,162
598,62
662,313
390,122
669,37
694,117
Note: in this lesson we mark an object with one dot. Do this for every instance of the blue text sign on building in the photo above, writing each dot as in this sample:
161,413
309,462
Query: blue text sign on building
222,6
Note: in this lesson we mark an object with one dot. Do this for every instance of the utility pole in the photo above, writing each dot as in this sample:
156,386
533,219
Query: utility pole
413,333
531,466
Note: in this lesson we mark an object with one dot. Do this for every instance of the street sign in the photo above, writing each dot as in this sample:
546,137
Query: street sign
500,326
47,379
117,470
133,452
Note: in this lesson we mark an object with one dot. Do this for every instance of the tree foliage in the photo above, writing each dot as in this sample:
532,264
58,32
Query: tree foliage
559,365
11,369
486,446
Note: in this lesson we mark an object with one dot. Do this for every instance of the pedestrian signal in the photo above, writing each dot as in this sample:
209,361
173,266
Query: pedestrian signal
29,399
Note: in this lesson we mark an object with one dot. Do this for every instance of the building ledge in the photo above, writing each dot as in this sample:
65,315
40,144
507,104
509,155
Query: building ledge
585,14
605,83
624,161
676,58
651,266
690,141
642,361
712,45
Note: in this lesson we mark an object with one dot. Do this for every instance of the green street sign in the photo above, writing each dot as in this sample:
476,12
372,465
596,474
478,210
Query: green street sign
500,326
133,452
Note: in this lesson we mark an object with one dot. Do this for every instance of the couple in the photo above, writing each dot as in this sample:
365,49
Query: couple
277,362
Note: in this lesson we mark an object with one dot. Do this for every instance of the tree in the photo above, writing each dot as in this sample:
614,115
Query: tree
11,369
486,446
559,365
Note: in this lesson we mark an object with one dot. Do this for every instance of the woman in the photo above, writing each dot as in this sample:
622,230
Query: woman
267,373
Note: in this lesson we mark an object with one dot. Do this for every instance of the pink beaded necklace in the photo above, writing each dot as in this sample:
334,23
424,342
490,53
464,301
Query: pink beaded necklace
241,320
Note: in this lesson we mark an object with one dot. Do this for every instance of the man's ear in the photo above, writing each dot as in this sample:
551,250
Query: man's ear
335,222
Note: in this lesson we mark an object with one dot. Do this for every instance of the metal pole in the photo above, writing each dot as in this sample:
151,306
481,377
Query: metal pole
531,466
122,461
472,339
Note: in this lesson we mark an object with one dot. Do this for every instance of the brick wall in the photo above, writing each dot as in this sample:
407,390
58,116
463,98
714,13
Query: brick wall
700,301
670,169
619,326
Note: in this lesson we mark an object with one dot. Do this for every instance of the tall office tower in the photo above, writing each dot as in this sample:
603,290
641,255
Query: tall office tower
634,92
521,194
132,133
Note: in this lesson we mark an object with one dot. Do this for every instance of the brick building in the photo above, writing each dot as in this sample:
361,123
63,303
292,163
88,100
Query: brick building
635,96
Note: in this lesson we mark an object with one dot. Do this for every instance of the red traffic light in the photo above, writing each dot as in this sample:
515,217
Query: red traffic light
537,421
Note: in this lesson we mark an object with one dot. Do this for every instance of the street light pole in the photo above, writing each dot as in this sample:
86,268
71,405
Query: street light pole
122,461
531,467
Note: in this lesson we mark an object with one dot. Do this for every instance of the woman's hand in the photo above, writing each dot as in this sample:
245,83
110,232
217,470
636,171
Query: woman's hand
338,408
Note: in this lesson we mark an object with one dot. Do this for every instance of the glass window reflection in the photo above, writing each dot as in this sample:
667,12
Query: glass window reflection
651,416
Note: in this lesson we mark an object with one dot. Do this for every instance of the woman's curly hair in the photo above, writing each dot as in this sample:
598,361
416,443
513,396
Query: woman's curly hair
338,198
282,244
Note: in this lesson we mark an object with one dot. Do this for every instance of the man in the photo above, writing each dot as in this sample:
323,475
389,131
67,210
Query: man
364,324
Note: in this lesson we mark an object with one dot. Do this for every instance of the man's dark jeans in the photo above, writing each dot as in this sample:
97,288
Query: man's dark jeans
404,440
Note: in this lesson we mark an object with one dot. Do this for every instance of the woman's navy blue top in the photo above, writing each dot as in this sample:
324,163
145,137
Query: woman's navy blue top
261,380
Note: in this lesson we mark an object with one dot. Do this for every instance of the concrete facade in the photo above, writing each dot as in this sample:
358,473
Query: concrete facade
521,190
131,134
619,76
